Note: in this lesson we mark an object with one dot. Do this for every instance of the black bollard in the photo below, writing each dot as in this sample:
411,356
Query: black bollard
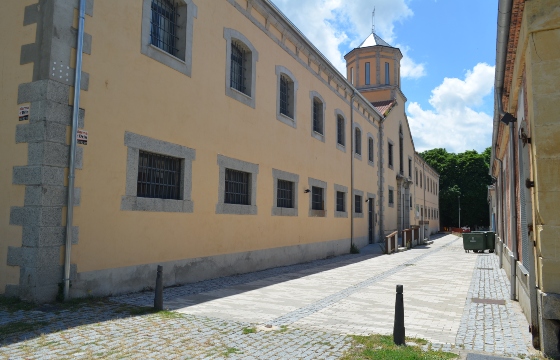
158,299
398,329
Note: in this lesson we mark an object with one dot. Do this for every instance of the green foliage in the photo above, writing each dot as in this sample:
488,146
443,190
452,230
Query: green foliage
382,347
354,249
464,174
12,304
249,330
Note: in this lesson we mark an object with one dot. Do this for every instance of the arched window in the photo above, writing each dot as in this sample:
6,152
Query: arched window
370,149
240,67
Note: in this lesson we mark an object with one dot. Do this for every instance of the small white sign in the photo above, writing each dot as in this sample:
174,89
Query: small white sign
82,137
23,113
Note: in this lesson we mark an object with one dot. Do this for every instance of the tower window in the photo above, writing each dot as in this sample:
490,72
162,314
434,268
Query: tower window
367,73
387,78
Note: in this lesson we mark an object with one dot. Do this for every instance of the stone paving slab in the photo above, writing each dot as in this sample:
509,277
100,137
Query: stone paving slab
311,307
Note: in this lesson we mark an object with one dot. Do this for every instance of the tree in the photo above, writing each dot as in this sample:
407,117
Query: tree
465,175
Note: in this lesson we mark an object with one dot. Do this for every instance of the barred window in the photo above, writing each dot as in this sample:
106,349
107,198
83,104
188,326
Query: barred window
285,96
317,202
358,204
340,201
391,200
285,194
237,187
159,176
370,149
238,71
164,26
317,116
340,130
390,148
358,141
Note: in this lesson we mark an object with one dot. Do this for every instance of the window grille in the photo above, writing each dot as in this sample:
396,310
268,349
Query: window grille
391,155
317,116
358,204
390,196
317,198
340,130
159,176
285,194
164,26
340,201
370,149
237,77
358,141
237,187
284,95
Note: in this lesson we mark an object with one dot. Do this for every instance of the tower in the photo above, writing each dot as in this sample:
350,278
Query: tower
374,69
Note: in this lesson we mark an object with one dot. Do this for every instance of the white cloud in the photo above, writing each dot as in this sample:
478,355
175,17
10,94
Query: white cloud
409,68
328,24
454,123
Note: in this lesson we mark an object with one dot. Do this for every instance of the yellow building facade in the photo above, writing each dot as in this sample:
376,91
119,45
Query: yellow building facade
219,141
526,162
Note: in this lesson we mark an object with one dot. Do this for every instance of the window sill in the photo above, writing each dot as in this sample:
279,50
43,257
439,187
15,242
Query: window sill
236,209
317,213
358,215
134,203
278,211
391,205
371,163
341,147
340,214
173,57
286,120
240,96
358,156
318,136
167,59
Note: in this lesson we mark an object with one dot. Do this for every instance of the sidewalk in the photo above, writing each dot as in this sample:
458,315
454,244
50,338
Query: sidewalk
299,311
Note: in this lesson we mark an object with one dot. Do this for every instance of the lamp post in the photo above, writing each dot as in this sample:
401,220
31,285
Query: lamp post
459,198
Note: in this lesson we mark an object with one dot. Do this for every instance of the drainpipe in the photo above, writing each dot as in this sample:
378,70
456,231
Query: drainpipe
381,180
499,209
351,210
73,145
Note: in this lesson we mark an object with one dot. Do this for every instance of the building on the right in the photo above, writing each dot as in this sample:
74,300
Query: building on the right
526,161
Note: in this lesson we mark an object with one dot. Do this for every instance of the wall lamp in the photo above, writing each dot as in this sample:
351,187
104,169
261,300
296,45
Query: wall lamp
367,200
508,118
306,191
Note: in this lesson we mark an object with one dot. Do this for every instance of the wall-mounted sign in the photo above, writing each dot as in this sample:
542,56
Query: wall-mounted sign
23,113
81,136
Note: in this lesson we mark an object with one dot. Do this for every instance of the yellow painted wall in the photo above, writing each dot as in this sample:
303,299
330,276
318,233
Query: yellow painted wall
11,154
131,92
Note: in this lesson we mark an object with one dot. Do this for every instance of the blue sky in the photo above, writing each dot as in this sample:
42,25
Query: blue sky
448,65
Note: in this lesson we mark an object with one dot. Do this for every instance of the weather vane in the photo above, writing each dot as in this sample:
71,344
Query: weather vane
373,21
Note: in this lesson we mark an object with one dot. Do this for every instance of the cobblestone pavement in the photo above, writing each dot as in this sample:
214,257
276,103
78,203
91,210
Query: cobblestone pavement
302,311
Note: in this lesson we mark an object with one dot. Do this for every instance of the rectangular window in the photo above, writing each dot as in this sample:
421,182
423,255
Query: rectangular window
159,176
237,187
237,78
358,141
317,198
390,155
420,178
410,168
387,79
284,96
358,204
370,149
340,130
352,76
416,176
285,194
317,116
367,74
340,201
391,200
164,26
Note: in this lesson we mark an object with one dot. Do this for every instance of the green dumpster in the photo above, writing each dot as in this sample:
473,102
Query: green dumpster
490,241
475,241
